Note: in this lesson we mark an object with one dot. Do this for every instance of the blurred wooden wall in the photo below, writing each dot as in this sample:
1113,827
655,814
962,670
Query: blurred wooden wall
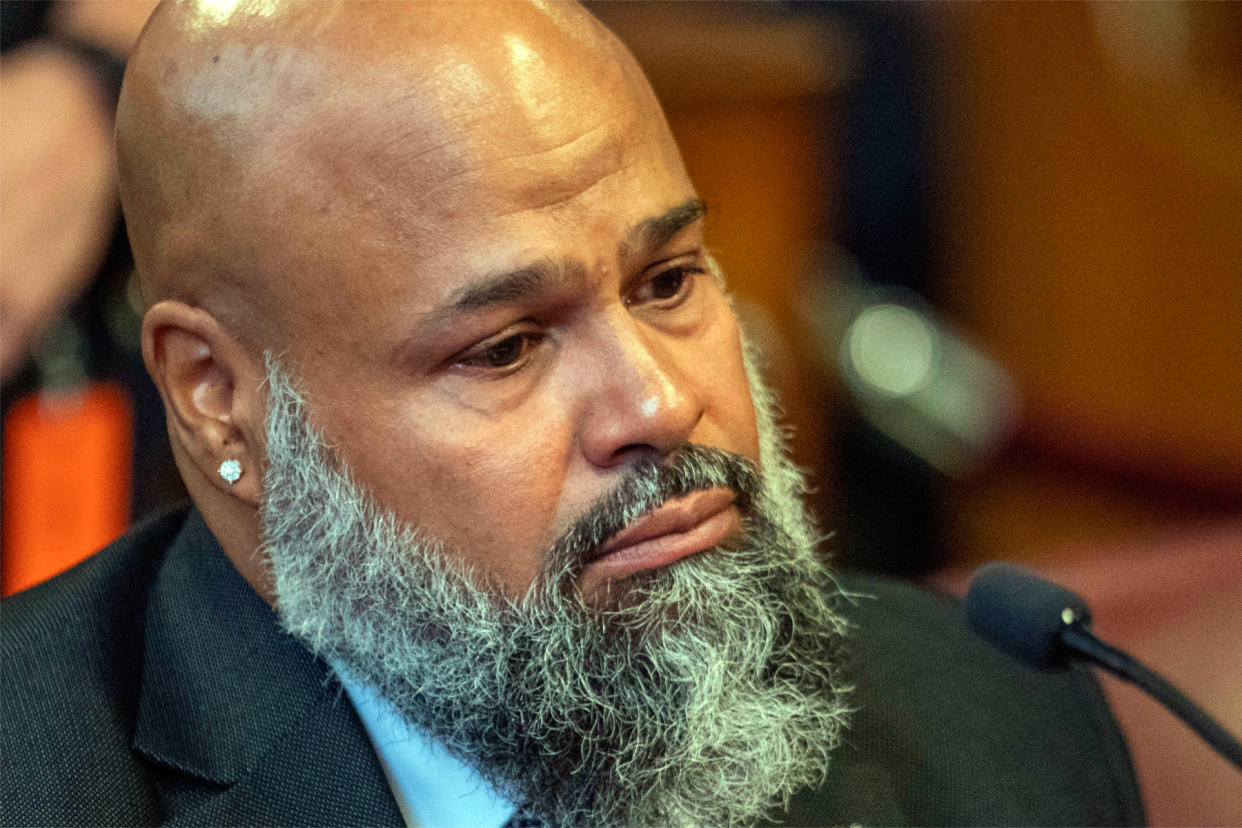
1090,181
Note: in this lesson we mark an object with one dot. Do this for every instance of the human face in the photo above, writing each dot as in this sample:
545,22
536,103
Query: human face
501,312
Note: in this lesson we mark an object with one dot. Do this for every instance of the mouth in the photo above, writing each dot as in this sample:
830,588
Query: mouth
678,528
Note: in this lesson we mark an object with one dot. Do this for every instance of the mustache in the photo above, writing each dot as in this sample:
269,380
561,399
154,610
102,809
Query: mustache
646,487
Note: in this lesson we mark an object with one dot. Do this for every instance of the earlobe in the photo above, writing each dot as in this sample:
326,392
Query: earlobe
209,385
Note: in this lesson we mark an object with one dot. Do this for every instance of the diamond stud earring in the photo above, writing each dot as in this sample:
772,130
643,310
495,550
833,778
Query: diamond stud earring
230,470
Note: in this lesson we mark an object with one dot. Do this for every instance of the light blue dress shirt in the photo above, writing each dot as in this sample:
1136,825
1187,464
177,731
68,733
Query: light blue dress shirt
432,789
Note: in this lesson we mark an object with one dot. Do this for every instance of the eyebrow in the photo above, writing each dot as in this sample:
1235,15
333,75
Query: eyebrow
505,288
656,232
516,285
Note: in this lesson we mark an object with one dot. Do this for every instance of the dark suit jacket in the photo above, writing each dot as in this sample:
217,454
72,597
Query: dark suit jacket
151,684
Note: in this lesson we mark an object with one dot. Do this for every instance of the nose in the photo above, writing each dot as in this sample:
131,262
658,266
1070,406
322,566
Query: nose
637,400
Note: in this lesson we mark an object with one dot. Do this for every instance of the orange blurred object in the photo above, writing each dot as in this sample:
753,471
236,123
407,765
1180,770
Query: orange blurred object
67,458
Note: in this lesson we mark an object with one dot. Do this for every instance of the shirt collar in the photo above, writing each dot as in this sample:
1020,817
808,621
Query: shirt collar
432,788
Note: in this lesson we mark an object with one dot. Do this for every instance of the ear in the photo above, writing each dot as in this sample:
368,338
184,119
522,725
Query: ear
212,395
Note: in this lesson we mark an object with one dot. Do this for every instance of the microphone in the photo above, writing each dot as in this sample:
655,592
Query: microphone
1046,626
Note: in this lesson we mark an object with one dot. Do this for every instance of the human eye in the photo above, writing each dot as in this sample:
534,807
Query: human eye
667,288
503,355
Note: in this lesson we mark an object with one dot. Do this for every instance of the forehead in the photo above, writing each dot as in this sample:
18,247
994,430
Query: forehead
528,125
398,192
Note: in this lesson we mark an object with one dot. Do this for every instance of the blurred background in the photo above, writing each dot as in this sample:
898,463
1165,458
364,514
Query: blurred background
993,254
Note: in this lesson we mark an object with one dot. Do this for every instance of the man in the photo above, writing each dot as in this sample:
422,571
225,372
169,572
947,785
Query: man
457,390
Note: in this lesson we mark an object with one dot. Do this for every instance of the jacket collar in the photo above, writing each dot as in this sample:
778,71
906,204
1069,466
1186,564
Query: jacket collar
229,698
221,680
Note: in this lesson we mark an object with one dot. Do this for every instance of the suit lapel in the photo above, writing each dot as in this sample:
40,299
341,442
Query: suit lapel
230,699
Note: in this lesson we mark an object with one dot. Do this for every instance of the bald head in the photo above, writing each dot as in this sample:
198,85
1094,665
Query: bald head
328,181
252,136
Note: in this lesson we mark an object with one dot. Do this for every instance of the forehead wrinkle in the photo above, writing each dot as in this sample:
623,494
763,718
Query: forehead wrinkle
541,193
560,145
404,114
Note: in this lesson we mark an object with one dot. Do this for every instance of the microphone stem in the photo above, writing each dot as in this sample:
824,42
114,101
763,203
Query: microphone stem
1078,638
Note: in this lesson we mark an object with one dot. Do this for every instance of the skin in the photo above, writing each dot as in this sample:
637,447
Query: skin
327,182
58,187
57,191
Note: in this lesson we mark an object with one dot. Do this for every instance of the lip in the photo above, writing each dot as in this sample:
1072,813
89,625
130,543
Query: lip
678,528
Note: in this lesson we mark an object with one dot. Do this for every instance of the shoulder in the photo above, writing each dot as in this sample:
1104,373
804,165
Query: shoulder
94,600
946,730
71,652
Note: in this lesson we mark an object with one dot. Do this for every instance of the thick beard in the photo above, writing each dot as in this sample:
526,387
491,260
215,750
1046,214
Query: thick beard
708,695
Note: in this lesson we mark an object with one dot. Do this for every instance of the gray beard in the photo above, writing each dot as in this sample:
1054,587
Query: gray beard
702,693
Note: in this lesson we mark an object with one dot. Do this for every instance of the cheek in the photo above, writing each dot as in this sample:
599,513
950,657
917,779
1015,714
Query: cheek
501,487
728,405
489,488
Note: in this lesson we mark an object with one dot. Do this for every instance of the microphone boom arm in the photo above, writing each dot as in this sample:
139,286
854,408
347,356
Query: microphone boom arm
1078,638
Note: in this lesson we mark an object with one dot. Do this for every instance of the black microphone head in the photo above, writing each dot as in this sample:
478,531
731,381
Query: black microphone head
1022,614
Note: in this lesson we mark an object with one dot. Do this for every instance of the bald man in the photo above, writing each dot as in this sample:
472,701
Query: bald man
492,522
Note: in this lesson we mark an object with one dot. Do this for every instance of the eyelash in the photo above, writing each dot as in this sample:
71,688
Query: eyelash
480,358
687,274
483,358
